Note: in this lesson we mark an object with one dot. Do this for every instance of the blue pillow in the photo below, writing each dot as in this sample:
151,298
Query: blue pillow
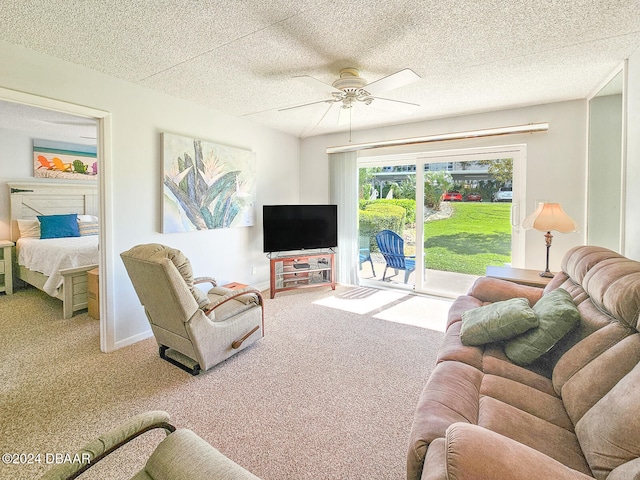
59,226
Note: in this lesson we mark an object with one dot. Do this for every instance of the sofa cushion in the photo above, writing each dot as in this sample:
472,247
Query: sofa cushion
610,280
495,362
557,315
586,351
578,261
490,290
469,451
581,392
552,440
497,321
608,432
452,348
528,399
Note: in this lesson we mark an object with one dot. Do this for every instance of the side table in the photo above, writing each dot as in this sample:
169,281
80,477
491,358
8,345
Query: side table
235,286
518,275
6,267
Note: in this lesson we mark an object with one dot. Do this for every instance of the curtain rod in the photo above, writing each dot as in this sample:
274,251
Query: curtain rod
490,132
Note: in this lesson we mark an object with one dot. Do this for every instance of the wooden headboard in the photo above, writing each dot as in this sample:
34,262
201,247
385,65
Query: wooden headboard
28,200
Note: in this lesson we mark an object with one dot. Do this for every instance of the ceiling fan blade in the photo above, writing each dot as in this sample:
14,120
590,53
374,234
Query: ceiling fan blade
315,83
326,100
344,115
396,105
393,81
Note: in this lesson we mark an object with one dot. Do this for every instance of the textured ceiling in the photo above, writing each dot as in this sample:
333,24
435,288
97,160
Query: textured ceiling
240,56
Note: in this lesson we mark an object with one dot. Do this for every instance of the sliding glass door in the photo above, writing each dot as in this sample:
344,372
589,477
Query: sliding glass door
387,224
464,217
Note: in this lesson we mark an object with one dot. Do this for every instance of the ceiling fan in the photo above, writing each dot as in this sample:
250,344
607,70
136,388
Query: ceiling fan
351,89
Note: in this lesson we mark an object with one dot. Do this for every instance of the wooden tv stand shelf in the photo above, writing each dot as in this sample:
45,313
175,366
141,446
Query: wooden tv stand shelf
301,271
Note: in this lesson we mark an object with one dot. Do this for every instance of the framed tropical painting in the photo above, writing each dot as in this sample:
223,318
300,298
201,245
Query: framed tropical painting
206,185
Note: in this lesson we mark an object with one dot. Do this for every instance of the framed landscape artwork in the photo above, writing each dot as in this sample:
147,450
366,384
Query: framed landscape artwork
206,185
68,161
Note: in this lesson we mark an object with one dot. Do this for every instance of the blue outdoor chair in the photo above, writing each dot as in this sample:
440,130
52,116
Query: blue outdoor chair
391,246
365,253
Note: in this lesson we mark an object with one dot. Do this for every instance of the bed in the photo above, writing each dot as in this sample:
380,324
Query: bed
57,266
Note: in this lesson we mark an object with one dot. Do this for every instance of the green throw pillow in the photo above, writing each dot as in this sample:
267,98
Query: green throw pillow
557,315
497,321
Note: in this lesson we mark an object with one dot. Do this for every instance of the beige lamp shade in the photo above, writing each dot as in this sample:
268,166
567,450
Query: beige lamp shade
548,217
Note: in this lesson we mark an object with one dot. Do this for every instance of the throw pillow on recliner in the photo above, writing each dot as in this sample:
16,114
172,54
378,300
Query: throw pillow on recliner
497,321
557,316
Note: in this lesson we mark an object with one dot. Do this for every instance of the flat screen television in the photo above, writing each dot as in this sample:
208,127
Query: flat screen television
299,227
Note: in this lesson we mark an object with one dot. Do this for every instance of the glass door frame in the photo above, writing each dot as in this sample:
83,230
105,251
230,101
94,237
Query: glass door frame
392,161
518,205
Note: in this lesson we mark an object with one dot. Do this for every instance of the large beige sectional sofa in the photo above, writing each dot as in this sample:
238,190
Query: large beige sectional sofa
572,414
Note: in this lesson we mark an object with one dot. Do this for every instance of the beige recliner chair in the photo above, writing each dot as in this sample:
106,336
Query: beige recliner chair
181,455
194,330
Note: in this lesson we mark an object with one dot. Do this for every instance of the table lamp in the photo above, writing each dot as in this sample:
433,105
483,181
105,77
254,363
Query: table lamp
548,217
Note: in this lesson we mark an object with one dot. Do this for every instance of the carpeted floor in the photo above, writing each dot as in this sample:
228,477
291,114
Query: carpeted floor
328,393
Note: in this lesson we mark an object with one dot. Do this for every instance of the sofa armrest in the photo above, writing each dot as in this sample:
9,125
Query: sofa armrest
451,395
453,349
470,452
488,289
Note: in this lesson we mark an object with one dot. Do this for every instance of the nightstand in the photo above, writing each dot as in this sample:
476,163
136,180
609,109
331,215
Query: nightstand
6,268
518,275
93,293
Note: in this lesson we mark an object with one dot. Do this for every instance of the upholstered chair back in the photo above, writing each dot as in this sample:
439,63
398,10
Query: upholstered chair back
163,279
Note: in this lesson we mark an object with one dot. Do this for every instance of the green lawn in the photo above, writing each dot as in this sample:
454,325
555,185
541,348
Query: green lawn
476,235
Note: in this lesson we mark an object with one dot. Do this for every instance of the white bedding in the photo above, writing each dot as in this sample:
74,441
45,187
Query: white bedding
49,256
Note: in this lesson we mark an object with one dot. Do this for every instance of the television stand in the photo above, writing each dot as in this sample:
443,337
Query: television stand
289,272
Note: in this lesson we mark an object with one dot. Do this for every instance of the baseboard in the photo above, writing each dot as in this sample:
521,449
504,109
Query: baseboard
133,339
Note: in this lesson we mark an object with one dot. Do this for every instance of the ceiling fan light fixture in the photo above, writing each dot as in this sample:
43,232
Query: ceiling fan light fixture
363,96
349,72
349,79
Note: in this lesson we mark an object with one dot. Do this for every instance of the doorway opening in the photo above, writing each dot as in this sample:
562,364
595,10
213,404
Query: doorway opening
99,123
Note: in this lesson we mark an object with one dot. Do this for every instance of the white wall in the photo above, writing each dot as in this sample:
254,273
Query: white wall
604,171
556,161
632,221
16,162
133,192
